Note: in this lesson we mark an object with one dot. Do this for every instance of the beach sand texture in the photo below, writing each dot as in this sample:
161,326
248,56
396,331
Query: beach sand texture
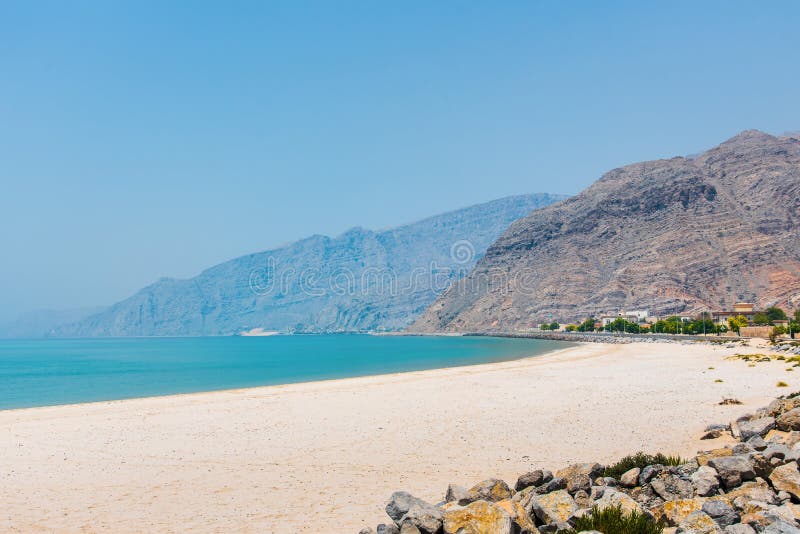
325,456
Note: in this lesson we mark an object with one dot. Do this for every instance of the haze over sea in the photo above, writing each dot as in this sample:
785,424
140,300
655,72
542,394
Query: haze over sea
66,371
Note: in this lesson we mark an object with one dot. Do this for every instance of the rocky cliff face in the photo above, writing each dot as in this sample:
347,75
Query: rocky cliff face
361,280
677,235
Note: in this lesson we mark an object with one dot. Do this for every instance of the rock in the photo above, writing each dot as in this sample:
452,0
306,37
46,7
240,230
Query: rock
630,478
409,528
705,481
739,529
757,442
703,457
491,489
532,478
519,517
554,484
674,512
779,406
671,487
426,518
401,502
649,472
758,491
733,470
479,517
388,529
742,448
645,496
698,523
582,499
756,427
721,512
553,508
612,498
786,478
367,530
779,526
713,434
456,493
591,470
789,420
761,466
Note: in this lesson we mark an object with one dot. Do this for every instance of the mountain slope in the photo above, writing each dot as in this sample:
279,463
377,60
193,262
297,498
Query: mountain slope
361,280
677,235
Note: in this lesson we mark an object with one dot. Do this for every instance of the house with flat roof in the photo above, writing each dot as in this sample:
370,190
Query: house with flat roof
740,308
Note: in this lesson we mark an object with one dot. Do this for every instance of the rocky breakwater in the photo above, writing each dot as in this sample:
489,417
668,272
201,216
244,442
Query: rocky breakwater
750,486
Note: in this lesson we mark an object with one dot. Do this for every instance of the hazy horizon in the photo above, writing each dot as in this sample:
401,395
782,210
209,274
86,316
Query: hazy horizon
143,141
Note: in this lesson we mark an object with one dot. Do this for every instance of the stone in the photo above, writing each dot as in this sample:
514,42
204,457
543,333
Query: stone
456,493
426,518
630,478
713,434
649,472
409,528
703,457
479,517
756,427
401,502
519,517
553,508
367,530
491,489
582,499
786,478
532,478
742,448
789,420
733,470
721,512
612,498
761,466
757,442
554,484
673,513
779,526
758,491
591,470
739,529
671,487
779,406
705,481
388,529
698,523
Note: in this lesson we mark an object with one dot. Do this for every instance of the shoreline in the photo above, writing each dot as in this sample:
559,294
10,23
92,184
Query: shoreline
292,457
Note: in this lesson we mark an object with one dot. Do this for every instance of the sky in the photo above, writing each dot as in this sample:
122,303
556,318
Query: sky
144,139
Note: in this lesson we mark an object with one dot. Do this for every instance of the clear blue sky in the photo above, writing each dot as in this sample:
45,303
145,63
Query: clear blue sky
146,139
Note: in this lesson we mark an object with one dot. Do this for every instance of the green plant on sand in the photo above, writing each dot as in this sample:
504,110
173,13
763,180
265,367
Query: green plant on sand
782,384
613,521
640,460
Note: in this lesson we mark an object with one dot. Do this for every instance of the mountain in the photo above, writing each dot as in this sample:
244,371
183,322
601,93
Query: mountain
43,322
360,280
674,235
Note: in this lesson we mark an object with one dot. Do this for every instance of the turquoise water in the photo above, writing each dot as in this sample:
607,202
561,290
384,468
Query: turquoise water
65,371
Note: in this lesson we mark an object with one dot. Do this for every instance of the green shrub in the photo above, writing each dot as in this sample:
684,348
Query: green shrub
640,460
613,521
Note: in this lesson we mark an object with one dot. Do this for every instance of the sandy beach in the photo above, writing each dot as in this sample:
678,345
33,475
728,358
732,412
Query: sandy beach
324,456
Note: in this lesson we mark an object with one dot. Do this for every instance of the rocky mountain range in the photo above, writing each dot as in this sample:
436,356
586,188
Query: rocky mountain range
360,280
680,235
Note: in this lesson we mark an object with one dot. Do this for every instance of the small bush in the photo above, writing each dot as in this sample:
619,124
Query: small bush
726,402
639,460
782,384
718,380
613,521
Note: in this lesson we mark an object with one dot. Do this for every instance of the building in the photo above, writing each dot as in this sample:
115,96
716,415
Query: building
740,308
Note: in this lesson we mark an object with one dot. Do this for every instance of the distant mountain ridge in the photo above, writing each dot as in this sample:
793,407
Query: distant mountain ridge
360,280
674,235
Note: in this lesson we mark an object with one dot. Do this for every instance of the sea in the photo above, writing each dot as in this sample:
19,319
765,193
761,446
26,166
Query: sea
47,372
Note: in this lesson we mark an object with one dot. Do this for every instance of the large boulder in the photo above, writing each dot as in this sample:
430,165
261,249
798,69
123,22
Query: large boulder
779,406
630,478
491,489
426,518
674,512
553,508
613,498
522,521
580,476
456,493
789,420
721,512
479,517
698,523
391,528
786,478
531,478
705,481
733,470
401,502
670,487
756,491
755,427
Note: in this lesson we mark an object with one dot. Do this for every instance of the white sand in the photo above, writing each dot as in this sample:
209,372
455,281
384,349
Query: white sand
324,456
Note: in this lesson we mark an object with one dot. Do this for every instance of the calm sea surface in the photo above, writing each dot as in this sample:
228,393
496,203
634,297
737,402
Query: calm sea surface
64,371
